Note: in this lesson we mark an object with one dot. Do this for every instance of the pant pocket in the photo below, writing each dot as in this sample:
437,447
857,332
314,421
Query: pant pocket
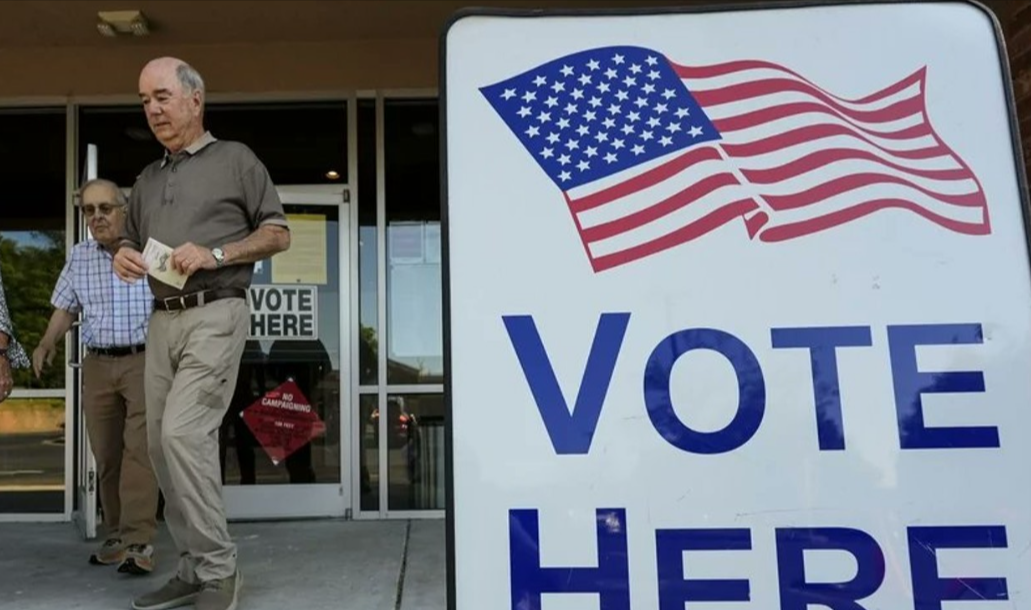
215,392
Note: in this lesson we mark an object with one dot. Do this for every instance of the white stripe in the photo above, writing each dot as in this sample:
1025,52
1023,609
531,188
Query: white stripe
777,98
667,224
619,177
652,195
810,119
724,111
849,167
797,151
699,85
971,214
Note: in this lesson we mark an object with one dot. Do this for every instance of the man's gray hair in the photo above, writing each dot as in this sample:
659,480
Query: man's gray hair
190,79
120,198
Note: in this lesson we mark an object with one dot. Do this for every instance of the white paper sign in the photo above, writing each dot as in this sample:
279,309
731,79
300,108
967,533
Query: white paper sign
737,311
158,257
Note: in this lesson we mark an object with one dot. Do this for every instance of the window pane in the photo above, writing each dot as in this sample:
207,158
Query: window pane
32,217
368,300
415,449
32,455
414,317
368,455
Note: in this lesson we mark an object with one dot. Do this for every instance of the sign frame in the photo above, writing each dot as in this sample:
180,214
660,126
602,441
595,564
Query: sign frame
449,457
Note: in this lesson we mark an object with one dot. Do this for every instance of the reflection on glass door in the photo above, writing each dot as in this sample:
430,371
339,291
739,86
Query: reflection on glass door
32,419
281,441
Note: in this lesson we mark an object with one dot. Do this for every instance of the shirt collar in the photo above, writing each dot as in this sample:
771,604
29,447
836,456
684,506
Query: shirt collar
192,149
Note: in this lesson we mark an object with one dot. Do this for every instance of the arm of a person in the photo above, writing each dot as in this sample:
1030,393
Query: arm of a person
265,210
61,322
269,239
12,356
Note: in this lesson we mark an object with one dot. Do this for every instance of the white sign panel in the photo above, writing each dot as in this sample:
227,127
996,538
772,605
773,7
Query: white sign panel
284,312
737,311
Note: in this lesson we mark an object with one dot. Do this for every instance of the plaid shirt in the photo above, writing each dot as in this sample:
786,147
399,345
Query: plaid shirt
15,353
115,313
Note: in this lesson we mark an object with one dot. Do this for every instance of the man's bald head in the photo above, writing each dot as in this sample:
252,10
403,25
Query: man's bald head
172,93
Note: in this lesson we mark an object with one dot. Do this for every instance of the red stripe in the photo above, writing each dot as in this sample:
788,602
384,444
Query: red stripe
855,181
646,179
840,217
702,72
667,206
822,158
812,133
745,91
894,112
707,223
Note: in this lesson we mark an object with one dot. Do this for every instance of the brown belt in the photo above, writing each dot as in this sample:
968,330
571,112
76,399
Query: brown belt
196,299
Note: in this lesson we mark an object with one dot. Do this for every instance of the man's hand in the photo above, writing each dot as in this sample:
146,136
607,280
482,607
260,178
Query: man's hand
6,381
44,354
129,265
190,258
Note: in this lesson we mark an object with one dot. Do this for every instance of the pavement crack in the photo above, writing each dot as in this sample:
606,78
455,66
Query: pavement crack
404,566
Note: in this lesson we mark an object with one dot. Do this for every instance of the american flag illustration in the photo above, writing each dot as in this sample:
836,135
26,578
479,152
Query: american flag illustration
651,154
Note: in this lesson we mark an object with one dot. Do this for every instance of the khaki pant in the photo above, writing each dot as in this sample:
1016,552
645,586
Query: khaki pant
115,412
193,358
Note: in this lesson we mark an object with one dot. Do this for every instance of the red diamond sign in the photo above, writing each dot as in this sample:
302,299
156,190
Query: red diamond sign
282,421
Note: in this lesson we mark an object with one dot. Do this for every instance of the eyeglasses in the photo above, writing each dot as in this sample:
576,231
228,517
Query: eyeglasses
105,209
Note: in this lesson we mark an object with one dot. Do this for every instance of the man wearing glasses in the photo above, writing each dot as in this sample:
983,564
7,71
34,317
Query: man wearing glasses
114,329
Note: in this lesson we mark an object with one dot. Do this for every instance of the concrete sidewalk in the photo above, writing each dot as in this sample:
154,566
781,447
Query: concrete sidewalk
343,565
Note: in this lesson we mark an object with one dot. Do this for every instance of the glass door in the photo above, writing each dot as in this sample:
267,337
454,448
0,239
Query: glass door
283,440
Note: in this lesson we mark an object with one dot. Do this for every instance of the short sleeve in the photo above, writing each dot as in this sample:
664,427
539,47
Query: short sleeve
263,204
64,296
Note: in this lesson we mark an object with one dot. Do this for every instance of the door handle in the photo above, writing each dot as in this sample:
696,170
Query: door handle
75,365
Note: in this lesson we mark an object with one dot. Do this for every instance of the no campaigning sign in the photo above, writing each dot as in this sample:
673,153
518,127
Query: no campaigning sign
282,421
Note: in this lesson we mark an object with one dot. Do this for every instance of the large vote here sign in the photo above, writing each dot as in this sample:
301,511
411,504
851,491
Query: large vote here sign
738,309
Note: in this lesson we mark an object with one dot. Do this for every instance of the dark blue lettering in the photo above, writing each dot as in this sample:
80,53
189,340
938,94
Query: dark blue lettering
910,383
830,427
674,589
751,391
610,580
796,593
929,591
570,432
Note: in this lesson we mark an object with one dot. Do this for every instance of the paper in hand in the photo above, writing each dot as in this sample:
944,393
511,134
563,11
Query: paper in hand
158,257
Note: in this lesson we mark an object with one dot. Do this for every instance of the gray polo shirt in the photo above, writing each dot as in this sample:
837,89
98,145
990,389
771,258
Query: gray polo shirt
212,193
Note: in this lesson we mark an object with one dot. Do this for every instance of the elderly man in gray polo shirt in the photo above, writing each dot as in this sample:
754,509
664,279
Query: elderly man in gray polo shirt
214,203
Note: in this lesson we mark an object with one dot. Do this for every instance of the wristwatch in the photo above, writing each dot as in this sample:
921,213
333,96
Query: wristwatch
220,257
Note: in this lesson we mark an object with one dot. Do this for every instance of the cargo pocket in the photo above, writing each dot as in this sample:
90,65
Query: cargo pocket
214,393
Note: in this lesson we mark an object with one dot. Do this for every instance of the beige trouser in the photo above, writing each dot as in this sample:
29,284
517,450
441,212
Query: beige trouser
193,358
113,403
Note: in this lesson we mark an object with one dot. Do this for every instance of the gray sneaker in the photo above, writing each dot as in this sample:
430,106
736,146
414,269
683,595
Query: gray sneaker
173,594
220,594
112,551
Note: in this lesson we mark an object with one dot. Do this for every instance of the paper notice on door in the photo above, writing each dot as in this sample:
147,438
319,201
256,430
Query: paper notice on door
306,260
158,257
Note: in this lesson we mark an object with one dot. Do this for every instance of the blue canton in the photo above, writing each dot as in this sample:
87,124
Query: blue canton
595,113
115,313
